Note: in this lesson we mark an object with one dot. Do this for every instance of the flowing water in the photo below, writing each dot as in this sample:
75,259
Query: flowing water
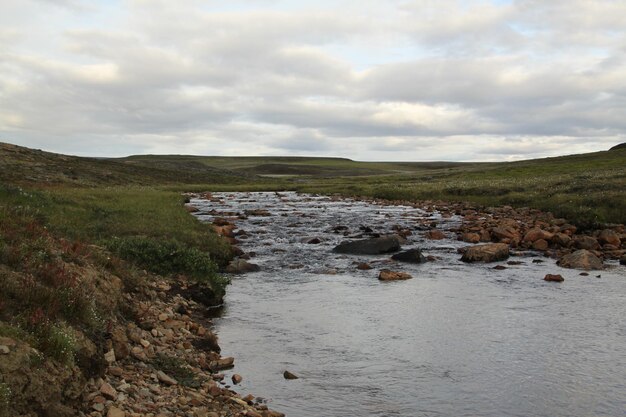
456,340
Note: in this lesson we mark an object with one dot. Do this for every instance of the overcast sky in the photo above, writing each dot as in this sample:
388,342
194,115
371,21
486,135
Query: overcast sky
364,79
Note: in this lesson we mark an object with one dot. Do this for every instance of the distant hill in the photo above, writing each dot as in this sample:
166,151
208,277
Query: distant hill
620,146
22,165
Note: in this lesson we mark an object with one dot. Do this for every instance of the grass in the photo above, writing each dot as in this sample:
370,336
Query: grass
177,368
49,264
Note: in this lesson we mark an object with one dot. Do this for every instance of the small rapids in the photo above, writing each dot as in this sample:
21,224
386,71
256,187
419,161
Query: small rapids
456,340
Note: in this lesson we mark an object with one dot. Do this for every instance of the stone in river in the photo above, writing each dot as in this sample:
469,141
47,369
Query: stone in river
412,256
554,278
240,266
289,375
373,246
387,275
491,252
581,259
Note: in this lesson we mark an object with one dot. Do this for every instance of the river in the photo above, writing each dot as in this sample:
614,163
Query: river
456,340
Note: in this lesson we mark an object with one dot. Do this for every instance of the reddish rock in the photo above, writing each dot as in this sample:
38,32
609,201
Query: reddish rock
435,234
108,391
471,237
581,259
116,412
587,242
236,378
562,239
554,278
535,234
500,234
388,275
364,266
490,252
609,237
540,244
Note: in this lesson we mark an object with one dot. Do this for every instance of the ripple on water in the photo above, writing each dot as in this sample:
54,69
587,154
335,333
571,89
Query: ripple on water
456,340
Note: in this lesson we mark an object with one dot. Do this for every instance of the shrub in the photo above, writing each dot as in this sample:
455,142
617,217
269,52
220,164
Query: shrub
168,257
5,399
177,368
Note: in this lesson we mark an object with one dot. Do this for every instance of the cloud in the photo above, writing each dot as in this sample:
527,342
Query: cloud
394,80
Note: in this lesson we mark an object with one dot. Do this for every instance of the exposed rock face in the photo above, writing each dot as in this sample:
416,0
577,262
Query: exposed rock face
373,246
412,256
581,259
241,266
491,252
387,275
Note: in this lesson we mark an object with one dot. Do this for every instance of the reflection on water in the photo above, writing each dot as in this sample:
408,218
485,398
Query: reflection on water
457,340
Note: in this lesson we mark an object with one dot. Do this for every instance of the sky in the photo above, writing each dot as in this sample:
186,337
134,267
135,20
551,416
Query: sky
371,80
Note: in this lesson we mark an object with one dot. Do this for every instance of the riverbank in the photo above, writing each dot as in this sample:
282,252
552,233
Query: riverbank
103,296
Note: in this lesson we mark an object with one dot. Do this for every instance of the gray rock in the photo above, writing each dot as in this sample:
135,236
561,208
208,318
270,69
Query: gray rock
581,259
240,266
373,246
413,256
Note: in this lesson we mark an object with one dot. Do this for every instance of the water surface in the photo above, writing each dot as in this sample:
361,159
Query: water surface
456,340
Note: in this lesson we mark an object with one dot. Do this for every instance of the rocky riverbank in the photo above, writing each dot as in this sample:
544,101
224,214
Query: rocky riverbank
519,230
167,363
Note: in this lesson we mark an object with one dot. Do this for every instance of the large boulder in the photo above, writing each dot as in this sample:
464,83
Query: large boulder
373,246
413,256
491,252
581,259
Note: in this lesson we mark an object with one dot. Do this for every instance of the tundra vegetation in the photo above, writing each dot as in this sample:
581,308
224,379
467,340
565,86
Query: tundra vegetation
74,232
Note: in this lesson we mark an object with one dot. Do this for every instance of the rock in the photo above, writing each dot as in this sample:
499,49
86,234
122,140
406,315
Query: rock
116,412
490,252
373,246
554,278
609,237
435,234
587,242
388,275
501,233
120,343
313,241
471,237
562,239
622,260
236,378
412,256
165,378
108,391
7,341
289,375
241,266
4,350
224,363
535,234
109,356
581,259
363,266
540,244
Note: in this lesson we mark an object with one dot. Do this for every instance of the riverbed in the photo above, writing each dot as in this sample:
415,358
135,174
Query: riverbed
456,340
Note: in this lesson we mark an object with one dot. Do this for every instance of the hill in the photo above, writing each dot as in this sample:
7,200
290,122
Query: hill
20,165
